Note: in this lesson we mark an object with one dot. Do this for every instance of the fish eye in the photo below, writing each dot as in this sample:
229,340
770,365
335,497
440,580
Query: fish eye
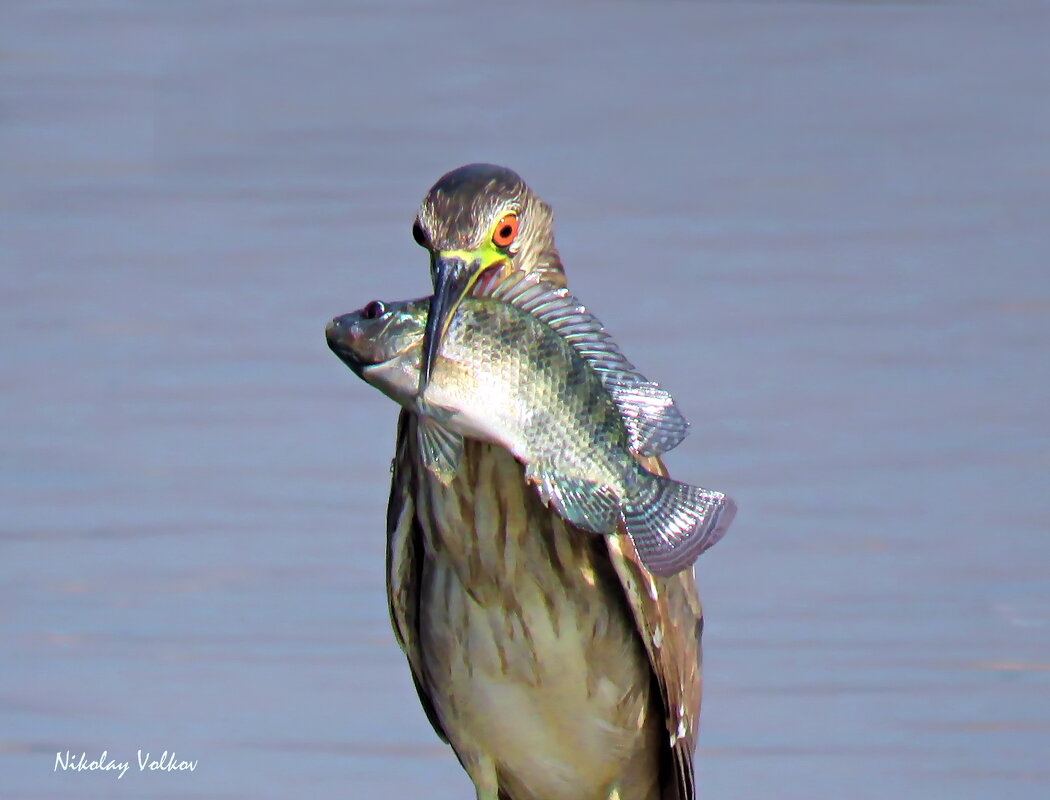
506,230
373,310
418,234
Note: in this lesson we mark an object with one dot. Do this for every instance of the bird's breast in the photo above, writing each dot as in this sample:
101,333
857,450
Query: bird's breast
529,650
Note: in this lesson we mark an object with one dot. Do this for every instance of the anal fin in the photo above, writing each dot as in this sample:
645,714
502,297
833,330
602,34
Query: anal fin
583,504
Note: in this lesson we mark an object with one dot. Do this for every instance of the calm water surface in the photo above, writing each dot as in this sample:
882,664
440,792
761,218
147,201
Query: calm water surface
824,226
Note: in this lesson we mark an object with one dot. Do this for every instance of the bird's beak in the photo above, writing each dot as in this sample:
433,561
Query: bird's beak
453,277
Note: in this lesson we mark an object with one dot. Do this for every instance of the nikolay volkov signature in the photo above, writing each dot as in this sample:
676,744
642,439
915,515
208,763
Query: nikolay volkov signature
167,762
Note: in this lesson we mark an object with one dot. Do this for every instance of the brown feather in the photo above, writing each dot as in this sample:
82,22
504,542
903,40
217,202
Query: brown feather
486,548
554,664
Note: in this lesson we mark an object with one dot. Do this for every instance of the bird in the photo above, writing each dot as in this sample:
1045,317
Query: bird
554,664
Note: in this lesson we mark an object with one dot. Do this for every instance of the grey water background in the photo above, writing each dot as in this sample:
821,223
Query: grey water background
824,226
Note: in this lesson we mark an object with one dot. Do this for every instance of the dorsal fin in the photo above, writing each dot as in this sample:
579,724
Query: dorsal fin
654,423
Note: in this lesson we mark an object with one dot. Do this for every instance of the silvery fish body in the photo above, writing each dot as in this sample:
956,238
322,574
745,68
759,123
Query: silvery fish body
529,369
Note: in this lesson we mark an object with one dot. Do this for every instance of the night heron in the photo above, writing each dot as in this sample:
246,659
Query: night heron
550,660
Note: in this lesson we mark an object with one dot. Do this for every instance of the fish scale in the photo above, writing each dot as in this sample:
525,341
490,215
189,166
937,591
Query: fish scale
504,374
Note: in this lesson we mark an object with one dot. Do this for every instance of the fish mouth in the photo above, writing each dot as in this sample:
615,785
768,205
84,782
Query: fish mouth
342,334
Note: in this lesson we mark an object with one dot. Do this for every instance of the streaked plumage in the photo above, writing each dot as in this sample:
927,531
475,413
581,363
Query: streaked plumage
551,661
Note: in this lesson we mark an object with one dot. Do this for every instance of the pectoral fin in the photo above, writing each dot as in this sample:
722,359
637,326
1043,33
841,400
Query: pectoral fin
440,449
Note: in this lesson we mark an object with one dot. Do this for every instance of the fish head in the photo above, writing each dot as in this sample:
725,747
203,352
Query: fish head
382,344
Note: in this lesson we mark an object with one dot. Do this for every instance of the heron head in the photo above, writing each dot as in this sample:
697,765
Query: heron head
475,219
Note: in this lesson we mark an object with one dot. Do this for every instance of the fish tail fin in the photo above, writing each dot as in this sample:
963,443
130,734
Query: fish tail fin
672,523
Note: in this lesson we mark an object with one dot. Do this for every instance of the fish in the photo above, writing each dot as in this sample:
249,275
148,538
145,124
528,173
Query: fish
526,366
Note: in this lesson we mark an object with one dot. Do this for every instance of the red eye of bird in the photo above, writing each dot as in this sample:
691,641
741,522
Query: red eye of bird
373,310
506,230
